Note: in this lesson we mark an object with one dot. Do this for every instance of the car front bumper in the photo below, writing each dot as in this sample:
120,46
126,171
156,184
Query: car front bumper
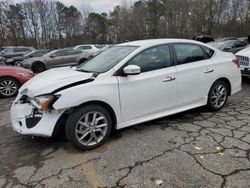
245,72
25,122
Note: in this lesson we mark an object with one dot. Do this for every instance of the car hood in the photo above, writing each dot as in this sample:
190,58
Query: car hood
51,80
244,52
14,69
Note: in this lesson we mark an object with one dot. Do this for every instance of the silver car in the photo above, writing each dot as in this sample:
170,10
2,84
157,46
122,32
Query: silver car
56,58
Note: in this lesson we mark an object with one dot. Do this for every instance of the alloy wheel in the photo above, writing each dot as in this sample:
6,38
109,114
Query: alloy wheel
8,88
219,95
91,128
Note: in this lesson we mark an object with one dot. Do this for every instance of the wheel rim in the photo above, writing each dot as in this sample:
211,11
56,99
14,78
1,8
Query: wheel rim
219,96
8,87
91,128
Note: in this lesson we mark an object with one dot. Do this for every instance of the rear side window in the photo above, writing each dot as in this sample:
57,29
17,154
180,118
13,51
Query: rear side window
22,50
85,48
74,52
209,52
186,53
153,59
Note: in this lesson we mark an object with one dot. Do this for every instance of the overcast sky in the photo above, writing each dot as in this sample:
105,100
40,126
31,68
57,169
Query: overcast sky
96,5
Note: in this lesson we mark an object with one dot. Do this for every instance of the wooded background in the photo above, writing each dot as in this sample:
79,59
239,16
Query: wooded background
50,24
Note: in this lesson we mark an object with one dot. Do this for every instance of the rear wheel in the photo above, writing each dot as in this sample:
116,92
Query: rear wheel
218,95
9,87
82,61
88,127
38,67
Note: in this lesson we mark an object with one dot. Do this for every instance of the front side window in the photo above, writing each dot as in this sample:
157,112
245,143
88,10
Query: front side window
187,53
107,59
61,53
22,50
153,59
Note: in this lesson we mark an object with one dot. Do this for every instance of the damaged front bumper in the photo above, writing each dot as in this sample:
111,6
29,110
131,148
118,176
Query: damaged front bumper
27,120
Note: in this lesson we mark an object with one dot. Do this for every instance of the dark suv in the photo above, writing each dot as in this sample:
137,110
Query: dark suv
10,52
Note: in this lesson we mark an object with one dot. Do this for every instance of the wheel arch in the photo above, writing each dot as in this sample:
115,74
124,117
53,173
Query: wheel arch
227,81
12,77
60,125
38,61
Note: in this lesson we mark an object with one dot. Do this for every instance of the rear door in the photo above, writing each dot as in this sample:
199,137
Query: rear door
195,72
73,56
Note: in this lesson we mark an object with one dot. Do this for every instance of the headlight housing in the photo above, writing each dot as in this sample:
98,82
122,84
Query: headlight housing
42,102
25,75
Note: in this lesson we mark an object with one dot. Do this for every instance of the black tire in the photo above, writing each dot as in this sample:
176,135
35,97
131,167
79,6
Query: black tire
72,124
18,63
211,104
15,83
38,67
82,61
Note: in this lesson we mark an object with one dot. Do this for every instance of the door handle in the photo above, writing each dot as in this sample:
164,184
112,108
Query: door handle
209,71
168,79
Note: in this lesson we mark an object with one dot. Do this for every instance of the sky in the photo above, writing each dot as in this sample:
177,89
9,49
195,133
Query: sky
95,5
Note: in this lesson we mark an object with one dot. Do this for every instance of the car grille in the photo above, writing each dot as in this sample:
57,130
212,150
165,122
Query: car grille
244,61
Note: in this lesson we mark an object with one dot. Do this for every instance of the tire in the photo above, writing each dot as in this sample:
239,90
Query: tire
18,63
5,87
82,61
38,67
82,133
218,96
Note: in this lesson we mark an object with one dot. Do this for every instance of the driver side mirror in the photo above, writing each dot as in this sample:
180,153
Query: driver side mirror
228,49
52,56
132,70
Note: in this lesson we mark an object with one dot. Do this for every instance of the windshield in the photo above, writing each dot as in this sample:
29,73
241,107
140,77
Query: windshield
107,59
8,50
218,45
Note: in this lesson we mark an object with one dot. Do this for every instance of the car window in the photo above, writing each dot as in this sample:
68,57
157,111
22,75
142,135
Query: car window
153,59
74,52
85,47
22,50
60,53
187,53
38,53
239,44
209,52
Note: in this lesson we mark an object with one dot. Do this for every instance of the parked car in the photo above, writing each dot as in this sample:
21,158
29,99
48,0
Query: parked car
2,60
17,60
244,56
232,46
56,58
11,79
204,39
87,48
10,52
125,85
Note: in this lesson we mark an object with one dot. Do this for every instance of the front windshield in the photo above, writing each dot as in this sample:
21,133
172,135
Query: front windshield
218,45
107,59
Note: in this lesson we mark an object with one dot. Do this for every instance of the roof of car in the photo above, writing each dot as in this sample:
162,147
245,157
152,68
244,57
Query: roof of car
152,42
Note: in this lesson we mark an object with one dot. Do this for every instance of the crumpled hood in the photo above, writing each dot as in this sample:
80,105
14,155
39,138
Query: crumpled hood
244,52
49,81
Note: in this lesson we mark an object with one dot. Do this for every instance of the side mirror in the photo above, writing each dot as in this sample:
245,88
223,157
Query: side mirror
132,70
52,56
228,49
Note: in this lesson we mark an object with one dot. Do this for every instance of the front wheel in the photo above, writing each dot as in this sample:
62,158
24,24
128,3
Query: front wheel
218,95
88,127
8,87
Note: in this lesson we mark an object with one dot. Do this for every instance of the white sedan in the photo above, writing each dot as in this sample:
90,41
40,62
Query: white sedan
128,84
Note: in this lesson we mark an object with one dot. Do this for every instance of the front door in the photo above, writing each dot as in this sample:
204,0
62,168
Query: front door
154,90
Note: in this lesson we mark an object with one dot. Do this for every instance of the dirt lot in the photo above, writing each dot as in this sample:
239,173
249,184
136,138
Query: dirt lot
191,149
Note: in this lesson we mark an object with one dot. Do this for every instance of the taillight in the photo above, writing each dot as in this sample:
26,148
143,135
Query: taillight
236,61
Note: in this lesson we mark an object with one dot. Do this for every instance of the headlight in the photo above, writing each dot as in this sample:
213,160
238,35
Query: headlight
42,102
25,75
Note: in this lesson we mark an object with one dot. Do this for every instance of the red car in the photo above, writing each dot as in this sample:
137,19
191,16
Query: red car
12,78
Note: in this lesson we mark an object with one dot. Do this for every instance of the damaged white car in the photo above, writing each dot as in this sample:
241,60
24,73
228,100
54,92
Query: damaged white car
128,84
